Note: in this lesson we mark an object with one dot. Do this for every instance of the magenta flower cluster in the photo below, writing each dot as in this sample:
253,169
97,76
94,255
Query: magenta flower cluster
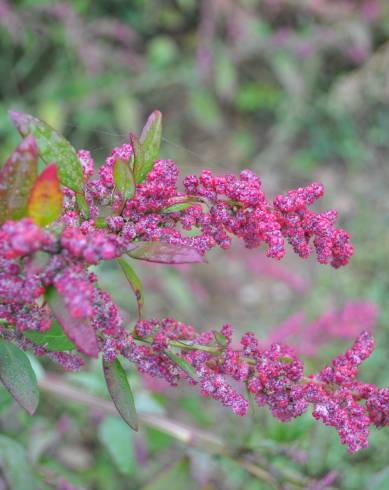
209,212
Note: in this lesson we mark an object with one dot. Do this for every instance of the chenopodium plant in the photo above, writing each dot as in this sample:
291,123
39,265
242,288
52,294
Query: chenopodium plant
70,217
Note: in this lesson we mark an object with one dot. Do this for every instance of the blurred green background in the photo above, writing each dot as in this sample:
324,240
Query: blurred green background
297,90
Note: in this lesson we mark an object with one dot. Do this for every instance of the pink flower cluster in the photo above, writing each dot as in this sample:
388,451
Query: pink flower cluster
208,213
218,207
275,377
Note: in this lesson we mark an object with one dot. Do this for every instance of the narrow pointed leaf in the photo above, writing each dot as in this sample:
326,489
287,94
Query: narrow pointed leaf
53,147
134,282
16,180
180,206
18,376
54,339
120,391
82,205
45,203
220,338
151,141
182,363
164,253
124,179
79,331
140,172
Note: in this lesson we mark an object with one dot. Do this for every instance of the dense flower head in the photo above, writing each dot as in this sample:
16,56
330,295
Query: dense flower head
45,276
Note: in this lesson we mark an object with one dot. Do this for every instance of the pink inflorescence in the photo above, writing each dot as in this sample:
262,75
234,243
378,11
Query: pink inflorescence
275,377
208,212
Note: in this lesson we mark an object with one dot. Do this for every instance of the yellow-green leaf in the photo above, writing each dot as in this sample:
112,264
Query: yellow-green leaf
45,203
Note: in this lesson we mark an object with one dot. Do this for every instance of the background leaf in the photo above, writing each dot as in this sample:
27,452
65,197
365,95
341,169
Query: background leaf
120,391
134,282
78,330
16,180
164,253
52,147
18,376
169,478
53,339
15,466
118,440
45,203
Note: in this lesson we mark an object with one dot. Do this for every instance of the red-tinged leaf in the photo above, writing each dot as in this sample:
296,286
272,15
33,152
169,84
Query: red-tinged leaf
151,141
134,282
45,203
182,363
165,253
18,376
120,391
79,331
16,180
53,147
139,159
124,179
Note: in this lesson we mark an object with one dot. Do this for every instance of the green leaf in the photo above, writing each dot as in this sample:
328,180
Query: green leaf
82,205
117,439
15,467
53,339
121,393
139,159
174,208
182,363
150,139
16,180
18,376
135,284
52,147
220,339
78,330
124,179
45,203
169,478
